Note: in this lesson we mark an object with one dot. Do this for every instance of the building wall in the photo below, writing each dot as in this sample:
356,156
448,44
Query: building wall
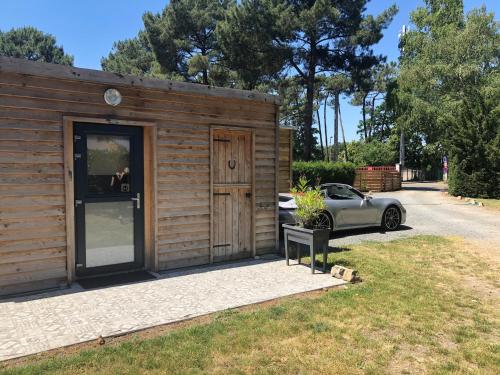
32,196
285,160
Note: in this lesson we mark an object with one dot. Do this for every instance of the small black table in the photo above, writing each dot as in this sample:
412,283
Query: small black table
316,239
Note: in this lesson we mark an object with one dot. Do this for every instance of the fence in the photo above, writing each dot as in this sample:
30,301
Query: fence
385,178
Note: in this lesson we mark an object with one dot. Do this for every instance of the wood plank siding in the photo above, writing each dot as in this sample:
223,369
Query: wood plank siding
286,160
35,99
377,179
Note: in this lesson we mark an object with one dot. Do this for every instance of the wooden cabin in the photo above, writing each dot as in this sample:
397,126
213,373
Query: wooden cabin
104,173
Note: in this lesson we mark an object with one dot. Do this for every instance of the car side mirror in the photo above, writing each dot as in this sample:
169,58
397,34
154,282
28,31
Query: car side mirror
367,197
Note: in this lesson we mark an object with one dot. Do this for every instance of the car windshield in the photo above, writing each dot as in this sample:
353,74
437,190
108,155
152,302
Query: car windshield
341,192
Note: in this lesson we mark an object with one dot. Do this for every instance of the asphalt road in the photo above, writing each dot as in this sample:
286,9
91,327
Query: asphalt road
430,211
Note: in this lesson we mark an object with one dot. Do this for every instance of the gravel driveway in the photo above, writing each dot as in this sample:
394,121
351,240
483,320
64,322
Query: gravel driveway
430,211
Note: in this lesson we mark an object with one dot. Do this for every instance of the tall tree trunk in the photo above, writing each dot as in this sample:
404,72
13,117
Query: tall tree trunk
336,129
320,135
372,116
205,71
325,106
205,77
343,136
384,121
364,116
308,111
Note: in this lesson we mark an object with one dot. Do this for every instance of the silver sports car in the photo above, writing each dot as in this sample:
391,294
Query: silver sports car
347,208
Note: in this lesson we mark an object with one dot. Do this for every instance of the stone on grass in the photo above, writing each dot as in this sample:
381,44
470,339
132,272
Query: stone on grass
338,271
350,275
344,273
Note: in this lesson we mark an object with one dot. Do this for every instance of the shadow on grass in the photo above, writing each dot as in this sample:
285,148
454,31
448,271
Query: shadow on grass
306,259
356,232
340,262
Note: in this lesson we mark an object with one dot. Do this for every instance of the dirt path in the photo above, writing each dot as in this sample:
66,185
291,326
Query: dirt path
430,211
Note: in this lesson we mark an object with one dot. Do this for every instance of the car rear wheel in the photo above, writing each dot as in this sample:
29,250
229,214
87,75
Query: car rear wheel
391,219
324,220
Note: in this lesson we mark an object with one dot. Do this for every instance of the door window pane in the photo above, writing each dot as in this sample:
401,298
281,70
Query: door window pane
109,233
108,163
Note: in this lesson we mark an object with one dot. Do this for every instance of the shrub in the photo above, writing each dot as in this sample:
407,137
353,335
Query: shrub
482,182
310,203
319,172
373,153
474,149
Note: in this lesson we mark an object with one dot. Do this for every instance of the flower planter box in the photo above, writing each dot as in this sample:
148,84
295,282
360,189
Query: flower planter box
316,239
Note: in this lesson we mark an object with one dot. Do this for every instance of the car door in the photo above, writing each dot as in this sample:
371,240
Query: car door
352,209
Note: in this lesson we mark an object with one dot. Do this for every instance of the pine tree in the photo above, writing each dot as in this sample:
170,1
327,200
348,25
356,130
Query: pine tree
184,42
133,56
32,44
307,37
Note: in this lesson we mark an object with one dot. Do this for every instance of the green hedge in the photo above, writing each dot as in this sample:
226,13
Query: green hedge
324,172
478,182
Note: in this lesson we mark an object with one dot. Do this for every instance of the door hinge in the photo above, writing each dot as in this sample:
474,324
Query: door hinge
78,202
77,138
79,265
78,156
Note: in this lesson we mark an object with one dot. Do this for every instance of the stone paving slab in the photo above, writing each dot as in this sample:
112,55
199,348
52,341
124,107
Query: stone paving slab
50,320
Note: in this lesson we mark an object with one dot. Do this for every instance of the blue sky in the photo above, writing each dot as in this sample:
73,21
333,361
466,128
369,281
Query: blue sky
87,29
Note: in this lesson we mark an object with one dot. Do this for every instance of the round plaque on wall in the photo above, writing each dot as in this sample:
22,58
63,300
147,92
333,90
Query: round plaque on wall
112,97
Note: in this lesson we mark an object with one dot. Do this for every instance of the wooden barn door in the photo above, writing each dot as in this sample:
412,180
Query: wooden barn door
232,195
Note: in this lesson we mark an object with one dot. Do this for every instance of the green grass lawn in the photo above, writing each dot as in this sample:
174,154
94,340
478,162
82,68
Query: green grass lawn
426,305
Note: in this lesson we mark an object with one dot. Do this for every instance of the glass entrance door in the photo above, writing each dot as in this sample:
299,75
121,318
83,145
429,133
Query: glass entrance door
108,198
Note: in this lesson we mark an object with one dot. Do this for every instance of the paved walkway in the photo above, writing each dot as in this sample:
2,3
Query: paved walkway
50,320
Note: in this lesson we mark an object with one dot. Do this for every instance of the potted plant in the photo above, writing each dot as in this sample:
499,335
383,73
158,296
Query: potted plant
310,203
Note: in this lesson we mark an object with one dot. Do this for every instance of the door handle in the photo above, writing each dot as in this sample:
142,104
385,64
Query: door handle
137,200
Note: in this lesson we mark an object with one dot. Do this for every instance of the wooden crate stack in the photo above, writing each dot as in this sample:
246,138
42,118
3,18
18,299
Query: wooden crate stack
385,178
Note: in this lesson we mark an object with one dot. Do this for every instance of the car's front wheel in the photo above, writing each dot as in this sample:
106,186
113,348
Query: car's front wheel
391,219
324,220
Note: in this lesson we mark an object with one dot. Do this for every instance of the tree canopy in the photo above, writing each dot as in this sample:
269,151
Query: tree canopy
32,44
184,41
307,38
374,153
449,92
133,56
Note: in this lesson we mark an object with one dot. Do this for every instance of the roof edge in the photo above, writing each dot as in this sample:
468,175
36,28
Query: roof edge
37,68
